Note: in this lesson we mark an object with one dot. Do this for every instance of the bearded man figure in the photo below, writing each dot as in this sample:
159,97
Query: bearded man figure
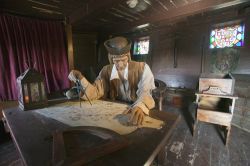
123,79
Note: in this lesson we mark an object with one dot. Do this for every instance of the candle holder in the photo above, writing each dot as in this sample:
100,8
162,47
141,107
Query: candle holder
31,90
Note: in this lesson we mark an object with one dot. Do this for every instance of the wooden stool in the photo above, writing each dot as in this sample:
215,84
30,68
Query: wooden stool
219,117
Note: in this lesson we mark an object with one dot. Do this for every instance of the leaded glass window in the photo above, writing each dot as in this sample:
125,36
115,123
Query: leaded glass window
230,36
141,46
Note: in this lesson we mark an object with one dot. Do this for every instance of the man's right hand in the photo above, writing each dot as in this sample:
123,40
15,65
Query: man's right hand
137,115
74,75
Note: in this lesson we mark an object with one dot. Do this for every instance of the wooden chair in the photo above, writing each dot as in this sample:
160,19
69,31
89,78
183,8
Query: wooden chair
159,93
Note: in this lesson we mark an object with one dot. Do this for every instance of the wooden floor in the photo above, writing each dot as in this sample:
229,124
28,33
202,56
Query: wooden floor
8,152
205,148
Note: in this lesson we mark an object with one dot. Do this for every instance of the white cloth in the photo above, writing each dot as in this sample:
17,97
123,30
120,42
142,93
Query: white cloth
72,77
145,85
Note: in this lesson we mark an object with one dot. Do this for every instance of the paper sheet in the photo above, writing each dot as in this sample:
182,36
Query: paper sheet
101,114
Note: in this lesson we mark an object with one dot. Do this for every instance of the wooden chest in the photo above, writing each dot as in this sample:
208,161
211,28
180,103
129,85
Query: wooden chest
217,84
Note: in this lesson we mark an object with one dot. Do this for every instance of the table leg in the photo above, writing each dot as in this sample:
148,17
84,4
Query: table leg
160,103
195,121
228,131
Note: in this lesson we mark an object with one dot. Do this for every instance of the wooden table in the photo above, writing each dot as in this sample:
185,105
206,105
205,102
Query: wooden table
32,134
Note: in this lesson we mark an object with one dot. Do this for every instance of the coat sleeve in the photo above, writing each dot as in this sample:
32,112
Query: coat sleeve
95,90
144,93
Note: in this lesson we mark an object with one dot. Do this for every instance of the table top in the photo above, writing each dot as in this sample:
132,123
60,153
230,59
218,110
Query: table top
32,134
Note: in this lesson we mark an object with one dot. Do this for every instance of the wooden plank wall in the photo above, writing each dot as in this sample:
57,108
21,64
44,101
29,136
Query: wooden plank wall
85,54
181,52
241,116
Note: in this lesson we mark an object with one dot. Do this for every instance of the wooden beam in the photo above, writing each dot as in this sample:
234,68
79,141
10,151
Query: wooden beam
93,7
70,46
184,11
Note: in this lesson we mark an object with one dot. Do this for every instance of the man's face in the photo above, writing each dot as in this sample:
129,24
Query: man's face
120,62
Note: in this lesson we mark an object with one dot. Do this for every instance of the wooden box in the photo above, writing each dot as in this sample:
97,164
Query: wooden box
217,84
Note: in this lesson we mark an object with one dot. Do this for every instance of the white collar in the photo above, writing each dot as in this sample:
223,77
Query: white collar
114,73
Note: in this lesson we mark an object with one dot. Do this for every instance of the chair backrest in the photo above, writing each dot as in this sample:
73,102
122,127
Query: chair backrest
159,93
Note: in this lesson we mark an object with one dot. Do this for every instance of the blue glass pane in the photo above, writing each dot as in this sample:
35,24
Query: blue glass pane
238,44
240,28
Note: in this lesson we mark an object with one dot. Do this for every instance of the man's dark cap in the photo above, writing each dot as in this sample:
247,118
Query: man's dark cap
118,45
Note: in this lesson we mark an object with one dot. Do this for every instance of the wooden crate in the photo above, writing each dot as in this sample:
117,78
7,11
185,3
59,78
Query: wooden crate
217,84
221,114
215,117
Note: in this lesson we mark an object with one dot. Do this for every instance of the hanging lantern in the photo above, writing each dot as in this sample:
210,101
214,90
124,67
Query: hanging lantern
31,90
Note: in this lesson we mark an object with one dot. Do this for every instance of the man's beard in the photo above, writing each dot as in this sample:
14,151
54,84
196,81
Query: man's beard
121,67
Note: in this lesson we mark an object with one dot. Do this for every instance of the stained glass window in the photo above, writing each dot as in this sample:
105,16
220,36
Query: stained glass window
141,46
231,36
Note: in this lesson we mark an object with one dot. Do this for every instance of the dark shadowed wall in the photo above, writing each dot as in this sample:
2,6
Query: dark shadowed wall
85,54
181,53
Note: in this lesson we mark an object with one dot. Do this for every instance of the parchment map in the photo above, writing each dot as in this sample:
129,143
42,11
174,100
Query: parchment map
101,114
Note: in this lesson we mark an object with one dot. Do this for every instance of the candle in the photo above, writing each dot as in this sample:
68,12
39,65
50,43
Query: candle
26,99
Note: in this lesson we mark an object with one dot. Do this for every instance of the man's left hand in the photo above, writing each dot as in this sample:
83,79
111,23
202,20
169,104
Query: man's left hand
137,116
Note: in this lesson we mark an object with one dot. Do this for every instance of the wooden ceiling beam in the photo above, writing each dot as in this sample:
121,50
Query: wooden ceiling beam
180,12
93,7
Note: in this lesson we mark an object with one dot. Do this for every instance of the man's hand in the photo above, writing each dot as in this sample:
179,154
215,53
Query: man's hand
74,75
137,116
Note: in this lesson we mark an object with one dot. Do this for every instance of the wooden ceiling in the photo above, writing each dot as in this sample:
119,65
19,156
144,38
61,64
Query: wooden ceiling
115,15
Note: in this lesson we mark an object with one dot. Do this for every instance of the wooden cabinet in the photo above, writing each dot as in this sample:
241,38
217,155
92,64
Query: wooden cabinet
221,115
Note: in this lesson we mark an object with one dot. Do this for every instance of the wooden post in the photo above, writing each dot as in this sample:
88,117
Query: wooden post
68,29
69,35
